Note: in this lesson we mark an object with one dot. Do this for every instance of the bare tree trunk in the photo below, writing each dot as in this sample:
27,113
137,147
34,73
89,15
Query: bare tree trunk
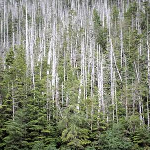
148,54
133,98
27,51
126,96
116,102
121,55
148,121
4,25
13,101
112,80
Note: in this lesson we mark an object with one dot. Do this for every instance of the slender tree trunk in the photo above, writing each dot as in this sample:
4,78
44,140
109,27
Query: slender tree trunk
27,51
13,101
126,89
148,54
148,118
112,80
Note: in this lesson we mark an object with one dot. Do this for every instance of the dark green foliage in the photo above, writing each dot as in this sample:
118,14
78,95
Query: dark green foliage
51,147
115,138
30,117
16,130
74,134
115,14
99,31
145,19
39,145
130,14
10,58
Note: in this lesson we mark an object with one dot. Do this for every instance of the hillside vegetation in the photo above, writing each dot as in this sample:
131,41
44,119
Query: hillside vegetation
74,74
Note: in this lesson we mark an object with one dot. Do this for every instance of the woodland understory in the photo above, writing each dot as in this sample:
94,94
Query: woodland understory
75,74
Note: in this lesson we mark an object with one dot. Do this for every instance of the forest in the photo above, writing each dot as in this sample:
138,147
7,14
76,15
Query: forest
74,74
